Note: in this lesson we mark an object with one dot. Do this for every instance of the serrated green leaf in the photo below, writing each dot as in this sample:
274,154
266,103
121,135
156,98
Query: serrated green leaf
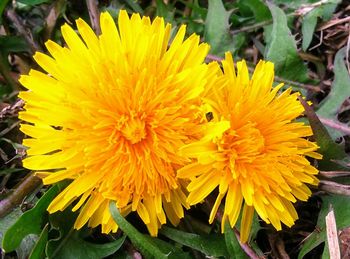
31,222
341,207
340,91
75,247
70,243
233,247
210,245
39,248
282,50
147,248
217,28
61,222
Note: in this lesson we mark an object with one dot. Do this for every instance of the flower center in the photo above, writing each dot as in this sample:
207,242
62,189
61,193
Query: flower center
134,130
244,145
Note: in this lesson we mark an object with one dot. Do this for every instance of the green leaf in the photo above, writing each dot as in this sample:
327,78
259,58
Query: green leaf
172,251
254,228
31,222
341,206
73,246
39,248
61,222
13,44
10,170
293,4
210,245
10,44
165,10
3,4
325,254
328,148
310,20
217,28
340,91
282,50
33,2
7,221
195,22
134,6
329,9
260,10
26,246
308,27
70,243
312,241
147,248
233,247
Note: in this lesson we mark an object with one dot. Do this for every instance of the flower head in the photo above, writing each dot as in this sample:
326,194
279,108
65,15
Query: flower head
252,149
110,115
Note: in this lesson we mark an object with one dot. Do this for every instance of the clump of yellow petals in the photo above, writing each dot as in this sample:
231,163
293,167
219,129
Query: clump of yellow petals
110,115
252,150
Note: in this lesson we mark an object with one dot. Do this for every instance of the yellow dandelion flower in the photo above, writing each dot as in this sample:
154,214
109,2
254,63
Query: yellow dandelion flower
252,149
110,115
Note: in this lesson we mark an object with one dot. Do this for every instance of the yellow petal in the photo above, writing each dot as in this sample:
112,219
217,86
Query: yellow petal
246,224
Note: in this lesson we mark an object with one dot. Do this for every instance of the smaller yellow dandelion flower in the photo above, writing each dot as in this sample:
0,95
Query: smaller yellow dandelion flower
110,115
252,149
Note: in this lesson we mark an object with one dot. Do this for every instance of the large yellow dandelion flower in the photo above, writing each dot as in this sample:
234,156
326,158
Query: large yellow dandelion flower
252,149
111,113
